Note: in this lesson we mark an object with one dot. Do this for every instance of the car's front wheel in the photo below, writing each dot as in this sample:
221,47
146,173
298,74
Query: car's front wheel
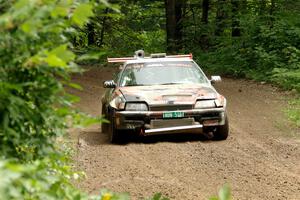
104,126
221,132
113,133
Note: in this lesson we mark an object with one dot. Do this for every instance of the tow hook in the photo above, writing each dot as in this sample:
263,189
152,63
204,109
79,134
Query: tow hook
142,132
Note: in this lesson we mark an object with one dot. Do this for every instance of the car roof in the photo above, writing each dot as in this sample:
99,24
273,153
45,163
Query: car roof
149,60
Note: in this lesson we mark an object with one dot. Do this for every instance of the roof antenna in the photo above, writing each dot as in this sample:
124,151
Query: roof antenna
139,54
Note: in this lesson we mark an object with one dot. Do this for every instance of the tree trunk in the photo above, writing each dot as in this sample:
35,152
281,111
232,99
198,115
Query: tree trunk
91,33
204,38
179,25
101,40
220,18
205,7
170,24
173,25
235,23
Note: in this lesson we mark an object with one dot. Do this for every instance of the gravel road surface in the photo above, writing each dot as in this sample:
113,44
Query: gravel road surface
259,160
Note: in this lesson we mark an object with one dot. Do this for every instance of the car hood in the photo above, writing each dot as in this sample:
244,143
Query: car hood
173,94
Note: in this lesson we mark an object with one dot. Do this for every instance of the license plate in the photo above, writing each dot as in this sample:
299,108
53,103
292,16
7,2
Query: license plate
175,114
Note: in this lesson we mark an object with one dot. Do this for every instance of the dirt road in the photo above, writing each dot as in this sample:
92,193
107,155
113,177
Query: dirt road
260,159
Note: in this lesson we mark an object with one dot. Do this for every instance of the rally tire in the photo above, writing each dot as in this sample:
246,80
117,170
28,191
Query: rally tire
222,132
104,126
113,133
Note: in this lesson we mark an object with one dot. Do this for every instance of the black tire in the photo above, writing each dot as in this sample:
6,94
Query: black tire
222,131
113,133
104,126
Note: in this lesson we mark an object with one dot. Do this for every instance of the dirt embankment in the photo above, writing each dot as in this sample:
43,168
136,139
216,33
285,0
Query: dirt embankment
260,159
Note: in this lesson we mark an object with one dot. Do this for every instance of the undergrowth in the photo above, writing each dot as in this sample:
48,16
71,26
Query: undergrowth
293,111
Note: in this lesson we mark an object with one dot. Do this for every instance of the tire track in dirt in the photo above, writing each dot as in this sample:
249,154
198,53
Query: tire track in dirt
260,159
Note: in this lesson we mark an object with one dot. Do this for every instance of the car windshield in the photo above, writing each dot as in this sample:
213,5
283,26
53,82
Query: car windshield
162,73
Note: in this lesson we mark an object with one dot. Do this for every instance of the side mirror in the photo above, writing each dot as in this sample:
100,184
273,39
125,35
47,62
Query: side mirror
215,79
109,84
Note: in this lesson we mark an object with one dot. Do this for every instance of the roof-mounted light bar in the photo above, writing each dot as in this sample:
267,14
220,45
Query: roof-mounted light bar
118,60
158,55
181,56
152,56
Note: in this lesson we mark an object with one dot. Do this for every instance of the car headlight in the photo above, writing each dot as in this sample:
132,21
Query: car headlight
136,107
118,103
220,101
205,104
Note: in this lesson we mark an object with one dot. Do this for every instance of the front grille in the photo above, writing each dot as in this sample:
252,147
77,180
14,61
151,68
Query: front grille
170,107
138,118
163,123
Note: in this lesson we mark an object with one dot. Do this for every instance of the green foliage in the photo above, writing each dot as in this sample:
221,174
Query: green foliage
123,29
267,50
34,53
289,79
41,179
81,13
138,27
36,59
157,196
109,195
224,194
293,111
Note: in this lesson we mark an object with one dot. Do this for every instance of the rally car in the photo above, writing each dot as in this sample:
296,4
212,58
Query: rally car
163,94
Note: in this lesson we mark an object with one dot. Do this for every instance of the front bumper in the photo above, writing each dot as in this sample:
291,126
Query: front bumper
153,122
